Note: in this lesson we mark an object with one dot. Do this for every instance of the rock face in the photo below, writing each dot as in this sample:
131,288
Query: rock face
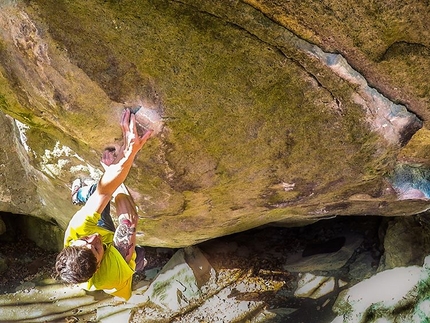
270,111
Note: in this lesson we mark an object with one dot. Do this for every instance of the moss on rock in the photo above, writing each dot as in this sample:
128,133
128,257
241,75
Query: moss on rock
256,129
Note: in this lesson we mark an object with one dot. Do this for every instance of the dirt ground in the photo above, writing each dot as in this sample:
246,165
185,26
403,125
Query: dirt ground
27,264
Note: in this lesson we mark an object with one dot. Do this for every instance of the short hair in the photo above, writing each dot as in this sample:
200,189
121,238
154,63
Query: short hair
76,264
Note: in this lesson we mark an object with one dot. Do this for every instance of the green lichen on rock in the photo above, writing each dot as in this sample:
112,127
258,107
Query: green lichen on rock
256,129
387,41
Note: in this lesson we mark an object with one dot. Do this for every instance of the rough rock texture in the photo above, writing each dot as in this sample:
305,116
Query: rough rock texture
273,111
250,277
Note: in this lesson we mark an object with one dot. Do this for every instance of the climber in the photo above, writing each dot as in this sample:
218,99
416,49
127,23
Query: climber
94,250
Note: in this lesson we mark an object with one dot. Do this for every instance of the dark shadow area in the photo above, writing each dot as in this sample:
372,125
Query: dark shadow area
263,252
22,262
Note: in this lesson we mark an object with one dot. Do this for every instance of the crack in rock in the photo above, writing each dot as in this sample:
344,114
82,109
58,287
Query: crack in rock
390,120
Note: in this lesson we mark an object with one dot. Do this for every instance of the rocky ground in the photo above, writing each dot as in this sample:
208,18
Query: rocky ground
270,254
284,255
27,264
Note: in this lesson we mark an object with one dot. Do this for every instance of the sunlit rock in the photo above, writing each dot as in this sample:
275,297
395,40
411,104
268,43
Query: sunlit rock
47,303
315,287
264,112
251,112
183,280
384,296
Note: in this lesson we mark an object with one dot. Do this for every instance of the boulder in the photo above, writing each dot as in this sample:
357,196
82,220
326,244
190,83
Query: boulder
398,292
241,277
266,112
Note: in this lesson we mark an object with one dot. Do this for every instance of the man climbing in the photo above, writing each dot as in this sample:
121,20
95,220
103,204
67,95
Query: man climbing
94,250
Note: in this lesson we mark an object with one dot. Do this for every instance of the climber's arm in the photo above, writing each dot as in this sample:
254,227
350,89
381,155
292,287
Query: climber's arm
116,173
